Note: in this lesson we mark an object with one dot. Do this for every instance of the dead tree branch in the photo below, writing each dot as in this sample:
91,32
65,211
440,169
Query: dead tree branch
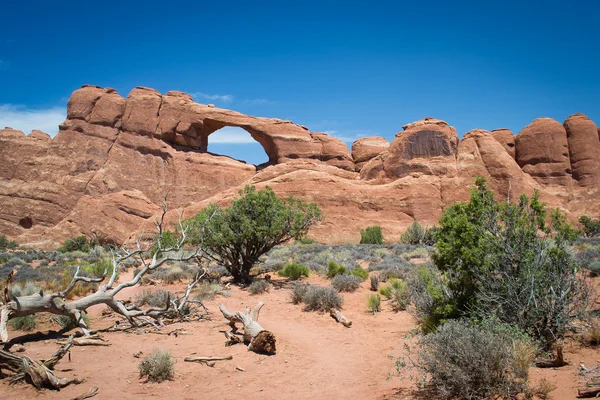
259,339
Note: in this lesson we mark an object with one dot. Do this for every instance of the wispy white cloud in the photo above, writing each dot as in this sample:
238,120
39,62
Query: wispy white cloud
225,98
258,101
26,119
230,135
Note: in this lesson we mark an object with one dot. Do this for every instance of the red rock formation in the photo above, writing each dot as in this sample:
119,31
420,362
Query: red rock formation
506,139
365,149
542,151
584,149
107,170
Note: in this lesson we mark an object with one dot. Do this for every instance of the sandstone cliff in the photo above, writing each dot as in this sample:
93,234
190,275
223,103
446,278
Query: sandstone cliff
108,169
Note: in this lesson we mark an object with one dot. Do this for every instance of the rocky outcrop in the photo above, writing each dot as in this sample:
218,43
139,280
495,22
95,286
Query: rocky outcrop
114,159
584,149
365,149
542,151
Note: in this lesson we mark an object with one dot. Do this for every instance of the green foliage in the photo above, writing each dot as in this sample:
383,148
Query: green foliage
294,271
360,272
433,300
158,367
386,291
371,235
334,269
590,228
7,244
68,323
27,323
305,240
256,222
400,294
166,240
374,303
80,243
98,268
497,257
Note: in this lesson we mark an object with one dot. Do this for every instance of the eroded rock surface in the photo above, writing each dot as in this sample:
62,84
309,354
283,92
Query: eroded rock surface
107,171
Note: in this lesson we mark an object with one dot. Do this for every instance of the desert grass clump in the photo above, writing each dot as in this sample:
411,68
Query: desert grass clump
464,361
374,303
209,290
333,269
400,294
295,271
158,367
346,283
298,292
152,297
322,298
259,287
358,271
27,323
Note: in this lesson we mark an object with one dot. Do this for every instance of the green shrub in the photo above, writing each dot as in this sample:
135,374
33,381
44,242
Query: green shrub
294,271
358,271
321,298
374,303
255,222
460,360
259,287
158,367
334,269
386,291
305,240
66,322
27,323
590,228
166,240
346,283
7,244
400,294
414,234
371,235
80,243
594,268
433,300
99,268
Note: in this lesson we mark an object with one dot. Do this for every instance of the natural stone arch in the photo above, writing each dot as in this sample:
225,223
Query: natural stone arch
211,125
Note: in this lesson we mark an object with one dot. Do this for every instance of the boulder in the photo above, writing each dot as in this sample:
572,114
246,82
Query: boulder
584,149
506,138
365,149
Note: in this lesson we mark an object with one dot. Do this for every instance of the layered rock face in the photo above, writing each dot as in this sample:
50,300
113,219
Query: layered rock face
115,159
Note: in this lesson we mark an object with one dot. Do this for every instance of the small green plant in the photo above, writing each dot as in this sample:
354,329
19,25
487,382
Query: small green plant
27,323
334,269
360,272
259,287
305,240
590,228
371,235
80,243
374,303
68,323
386,291
158,367
400,294
7,244
294,271
414,234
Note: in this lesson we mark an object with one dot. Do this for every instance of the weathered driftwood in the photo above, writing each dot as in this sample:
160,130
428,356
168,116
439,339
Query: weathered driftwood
93,340
558,361
339,317
56,303
39,373
207,360
588,391
91,393
259,339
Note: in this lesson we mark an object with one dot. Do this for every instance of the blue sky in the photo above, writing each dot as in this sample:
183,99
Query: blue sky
351,69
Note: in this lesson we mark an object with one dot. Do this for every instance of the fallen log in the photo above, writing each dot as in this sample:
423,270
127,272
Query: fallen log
558,361
37,372
207,360
91,393
588,391
339,317
259,339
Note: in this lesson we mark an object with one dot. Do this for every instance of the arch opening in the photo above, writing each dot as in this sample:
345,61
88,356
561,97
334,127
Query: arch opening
237,143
